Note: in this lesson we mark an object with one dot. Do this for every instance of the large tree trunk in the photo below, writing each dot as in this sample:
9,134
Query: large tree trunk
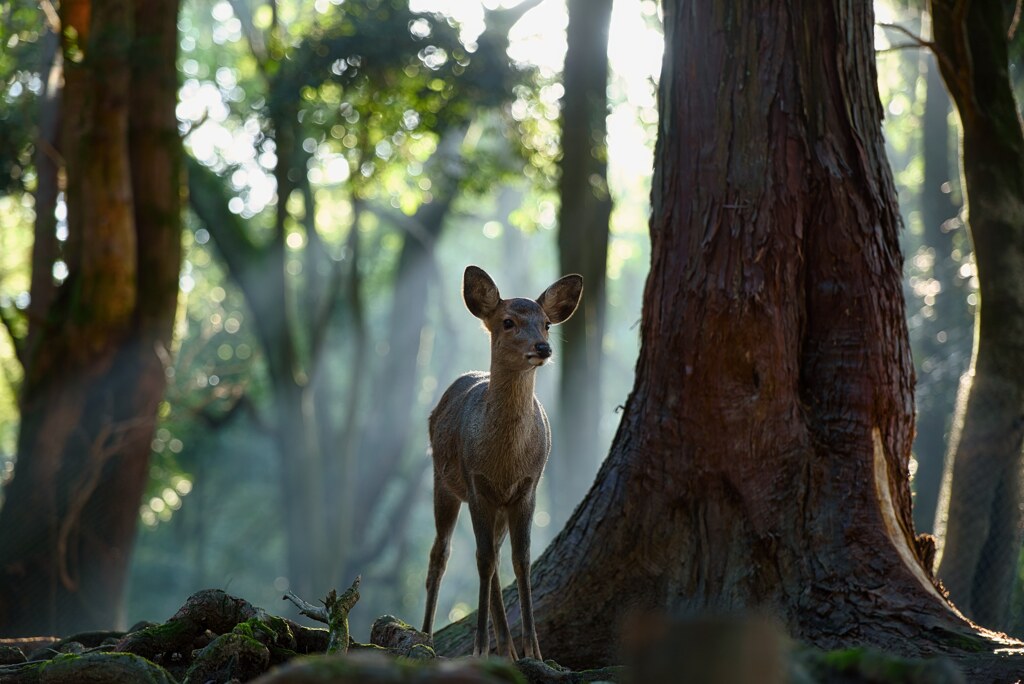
94,375
582,248
762,459
982,516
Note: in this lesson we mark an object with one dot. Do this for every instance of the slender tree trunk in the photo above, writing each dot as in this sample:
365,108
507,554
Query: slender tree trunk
583,248
95,375
387,435
259,270
762,459
947,329
45,246
981,510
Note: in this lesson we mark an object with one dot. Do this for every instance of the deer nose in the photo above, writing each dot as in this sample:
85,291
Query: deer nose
543,349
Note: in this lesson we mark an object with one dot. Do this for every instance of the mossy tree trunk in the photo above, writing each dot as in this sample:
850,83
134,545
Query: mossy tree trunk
981,509
762,460
94,369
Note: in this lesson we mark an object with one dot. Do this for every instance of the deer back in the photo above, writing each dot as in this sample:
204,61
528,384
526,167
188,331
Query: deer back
500,433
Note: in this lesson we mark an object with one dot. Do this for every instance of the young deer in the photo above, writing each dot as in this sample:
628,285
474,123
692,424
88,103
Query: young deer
490,438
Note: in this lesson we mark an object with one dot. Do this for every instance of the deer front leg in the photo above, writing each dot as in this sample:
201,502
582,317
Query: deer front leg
484,516
520,521
499,621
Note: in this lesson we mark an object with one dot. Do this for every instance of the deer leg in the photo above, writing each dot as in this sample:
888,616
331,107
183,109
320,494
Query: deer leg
446,512
484,516
499,621
520,520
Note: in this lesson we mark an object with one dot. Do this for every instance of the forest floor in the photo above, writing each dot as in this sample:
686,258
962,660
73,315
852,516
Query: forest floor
215,637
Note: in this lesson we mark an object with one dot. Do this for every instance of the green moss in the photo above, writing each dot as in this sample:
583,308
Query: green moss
421,652
878,666
402,624
172,629
501,668
281,628
844,659
359,646
257,629
108,668
229,656
376,666
970,643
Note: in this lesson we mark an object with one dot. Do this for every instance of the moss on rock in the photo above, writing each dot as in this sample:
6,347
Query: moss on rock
102,668
229,656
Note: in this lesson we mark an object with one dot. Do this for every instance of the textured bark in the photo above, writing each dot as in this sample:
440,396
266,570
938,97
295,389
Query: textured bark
582,248
945,333
762,459
95,374
981,510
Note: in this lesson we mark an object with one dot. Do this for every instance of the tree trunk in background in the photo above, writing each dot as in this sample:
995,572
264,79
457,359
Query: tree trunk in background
583,248
762,459
259,271
398,382
983,514
94,373
45,246
385,440
947,331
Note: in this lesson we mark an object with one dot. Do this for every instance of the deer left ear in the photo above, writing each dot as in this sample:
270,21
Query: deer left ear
561,299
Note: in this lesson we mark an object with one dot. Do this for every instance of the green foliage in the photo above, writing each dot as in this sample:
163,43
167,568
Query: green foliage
23,72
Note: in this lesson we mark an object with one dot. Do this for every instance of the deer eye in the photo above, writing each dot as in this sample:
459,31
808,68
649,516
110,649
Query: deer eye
508,324
547,325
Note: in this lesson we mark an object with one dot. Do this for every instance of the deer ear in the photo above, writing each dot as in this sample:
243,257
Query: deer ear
479,292
560,300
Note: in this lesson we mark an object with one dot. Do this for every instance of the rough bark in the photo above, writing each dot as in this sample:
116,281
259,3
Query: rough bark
582,248
945,331
980,513
762,459
95,374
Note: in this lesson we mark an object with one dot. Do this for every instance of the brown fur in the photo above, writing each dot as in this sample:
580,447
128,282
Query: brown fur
490,439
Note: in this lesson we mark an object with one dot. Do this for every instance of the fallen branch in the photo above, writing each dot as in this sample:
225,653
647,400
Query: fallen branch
334,613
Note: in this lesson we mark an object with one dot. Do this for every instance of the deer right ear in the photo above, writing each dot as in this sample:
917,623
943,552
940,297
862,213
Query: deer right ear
479,292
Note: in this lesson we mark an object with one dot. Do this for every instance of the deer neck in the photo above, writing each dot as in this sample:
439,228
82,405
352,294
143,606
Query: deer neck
510,394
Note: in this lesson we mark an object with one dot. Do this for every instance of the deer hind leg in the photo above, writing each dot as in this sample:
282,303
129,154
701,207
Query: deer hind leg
446,512
499,621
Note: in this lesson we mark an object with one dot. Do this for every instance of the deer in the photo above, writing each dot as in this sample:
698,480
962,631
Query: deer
490,439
